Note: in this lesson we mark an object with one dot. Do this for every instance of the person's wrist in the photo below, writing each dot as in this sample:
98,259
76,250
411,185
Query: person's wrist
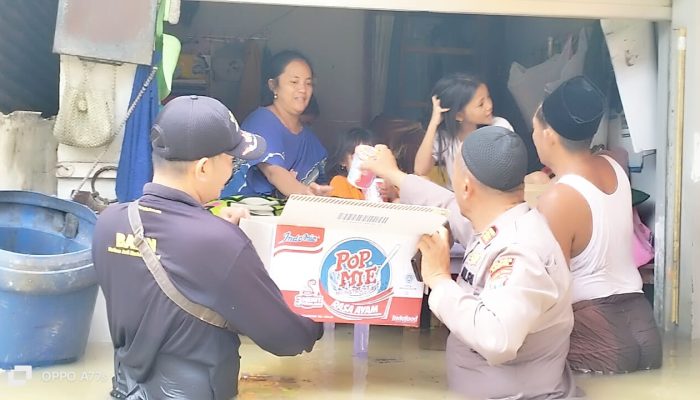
308,190
395,177
436,279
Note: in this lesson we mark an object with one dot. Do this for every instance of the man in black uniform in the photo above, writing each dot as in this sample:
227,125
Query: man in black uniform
180,283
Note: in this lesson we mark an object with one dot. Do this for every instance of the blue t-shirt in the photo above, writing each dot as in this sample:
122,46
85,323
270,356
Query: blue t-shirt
302,153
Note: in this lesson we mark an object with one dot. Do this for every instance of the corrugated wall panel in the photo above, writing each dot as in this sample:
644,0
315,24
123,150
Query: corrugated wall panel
28,68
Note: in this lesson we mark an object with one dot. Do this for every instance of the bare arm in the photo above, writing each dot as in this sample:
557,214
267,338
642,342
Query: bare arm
555,205
424,157
287,184
420,191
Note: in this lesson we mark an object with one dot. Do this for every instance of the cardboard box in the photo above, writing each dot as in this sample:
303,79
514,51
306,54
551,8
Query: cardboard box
338,260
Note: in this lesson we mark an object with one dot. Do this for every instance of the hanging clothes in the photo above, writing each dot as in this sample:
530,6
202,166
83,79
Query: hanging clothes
135,164
530,85
249,89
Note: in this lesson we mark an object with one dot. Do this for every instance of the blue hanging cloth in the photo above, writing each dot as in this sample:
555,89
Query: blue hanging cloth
135,164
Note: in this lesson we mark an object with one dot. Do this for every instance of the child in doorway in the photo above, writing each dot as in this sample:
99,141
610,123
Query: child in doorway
461,104
340,161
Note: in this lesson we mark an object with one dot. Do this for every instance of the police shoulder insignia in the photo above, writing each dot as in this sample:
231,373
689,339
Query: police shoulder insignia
475,257
489,235
500,271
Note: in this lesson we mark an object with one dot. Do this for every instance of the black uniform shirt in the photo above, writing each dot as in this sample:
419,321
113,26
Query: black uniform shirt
213,263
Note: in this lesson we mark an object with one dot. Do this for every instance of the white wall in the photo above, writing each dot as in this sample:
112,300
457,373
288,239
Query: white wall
331,38
27,152
686,14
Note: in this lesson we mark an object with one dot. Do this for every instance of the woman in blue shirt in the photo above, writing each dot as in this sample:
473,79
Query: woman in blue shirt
295,158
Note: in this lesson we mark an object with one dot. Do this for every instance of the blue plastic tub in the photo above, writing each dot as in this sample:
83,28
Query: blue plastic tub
48,284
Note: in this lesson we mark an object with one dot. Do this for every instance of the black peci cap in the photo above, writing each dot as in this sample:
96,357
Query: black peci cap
496,156
574,109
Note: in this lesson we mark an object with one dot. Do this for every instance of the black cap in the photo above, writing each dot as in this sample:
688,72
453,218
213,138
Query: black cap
574,109
496,156
192,127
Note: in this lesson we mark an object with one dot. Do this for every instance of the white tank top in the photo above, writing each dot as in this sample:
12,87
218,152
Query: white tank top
605,267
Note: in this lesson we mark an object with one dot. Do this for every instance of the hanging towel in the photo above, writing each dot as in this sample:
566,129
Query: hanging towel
168,47
135,165
173,13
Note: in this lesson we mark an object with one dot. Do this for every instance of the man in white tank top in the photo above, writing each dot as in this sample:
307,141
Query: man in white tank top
589,210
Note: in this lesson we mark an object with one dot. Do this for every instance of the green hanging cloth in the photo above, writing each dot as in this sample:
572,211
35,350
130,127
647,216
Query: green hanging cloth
169,47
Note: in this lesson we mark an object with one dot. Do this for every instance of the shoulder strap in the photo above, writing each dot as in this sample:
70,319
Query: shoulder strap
166,285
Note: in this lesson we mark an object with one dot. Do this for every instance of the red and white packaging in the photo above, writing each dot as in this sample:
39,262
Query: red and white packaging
356,176
373,192
347,261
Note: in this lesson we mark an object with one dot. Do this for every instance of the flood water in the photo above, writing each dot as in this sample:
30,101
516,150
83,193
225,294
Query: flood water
402,363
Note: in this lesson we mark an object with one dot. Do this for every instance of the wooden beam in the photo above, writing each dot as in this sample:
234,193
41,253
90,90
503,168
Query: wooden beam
595,9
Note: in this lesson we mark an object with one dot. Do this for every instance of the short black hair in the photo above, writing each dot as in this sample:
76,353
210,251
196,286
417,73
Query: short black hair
454,91
176,167
276,67
346,145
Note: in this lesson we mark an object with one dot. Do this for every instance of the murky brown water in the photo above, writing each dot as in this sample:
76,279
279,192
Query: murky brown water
401,364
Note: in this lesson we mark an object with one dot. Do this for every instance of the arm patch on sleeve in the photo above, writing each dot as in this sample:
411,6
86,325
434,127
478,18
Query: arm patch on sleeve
500,271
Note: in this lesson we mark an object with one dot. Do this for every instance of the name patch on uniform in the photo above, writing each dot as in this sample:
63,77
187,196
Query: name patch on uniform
467,276
124,245
500,271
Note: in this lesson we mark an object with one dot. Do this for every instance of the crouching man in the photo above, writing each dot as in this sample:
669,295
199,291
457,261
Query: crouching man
509,312
181,284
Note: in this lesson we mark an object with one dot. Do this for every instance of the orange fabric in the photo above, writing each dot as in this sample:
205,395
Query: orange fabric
342,188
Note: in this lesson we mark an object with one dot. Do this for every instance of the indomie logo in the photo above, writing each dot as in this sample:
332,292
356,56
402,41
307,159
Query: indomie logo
289,237
298,239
